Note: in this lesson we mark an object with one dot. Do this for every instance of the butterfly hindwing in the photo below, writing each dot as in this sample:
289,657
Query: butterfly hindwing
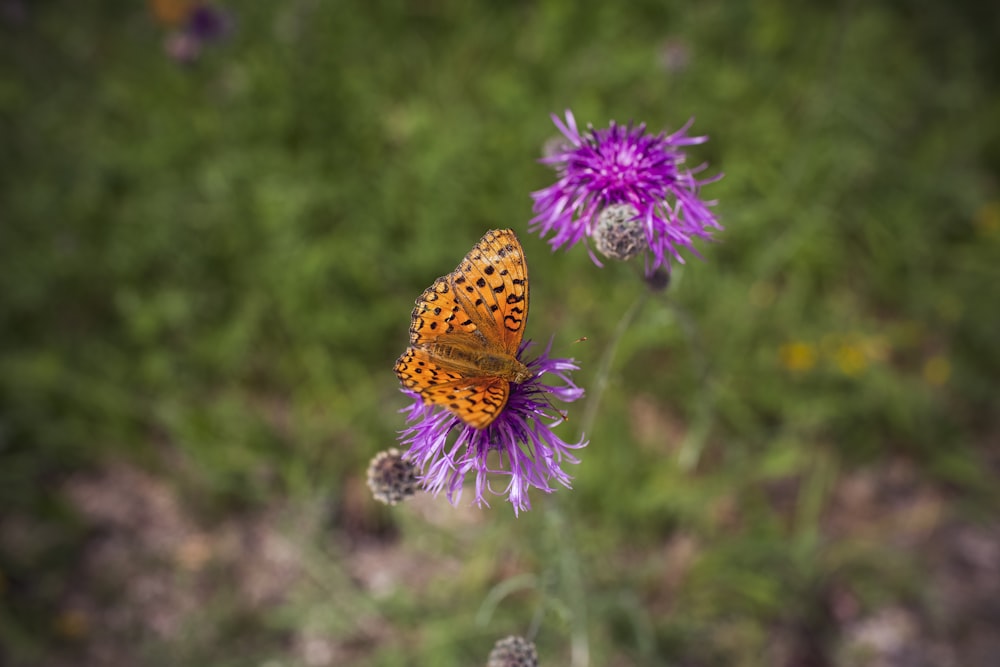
418,371
477,400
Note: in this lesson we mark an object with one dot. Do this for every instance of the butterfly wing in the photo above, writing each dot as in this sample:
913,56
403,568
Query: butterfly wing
439,314
476,401
487,293
492,285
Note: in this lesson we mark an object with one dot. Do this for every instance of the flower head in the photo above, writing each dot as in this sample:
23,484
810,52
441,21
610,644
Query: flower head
391,478
620,233
513,651
519,443
209,23
625,166
200,24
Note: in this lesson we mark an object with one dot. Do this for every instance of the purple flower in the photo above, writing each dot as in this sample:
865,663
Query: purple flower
625,166
204,25
208,23
182,47
528,452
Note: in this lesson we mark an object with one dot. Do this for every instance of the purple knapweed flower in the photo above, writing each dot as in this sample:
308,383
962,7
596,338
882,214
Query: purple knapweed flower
623,166
208,23
204,25
527,450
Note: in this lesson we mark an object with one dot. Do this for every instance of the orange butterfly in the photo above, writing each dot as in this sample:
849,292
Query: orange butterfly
465,331
171,12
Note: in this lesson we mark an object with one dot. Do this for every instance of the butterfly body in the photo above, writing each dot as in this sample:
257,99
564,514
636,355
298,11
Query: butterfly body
466,331
471,360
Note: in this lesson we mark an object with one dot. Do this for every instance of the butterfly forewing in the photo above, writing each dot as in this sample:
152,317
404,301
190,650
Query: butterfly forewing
438,314
492,284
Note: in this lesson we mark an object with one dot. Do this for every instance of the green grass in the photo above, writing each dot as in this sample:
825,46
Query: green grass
207,272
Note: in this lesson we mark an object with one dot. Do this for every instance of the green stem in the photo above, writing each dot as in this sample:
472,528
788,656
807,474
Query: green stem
569,561
604,369
572,581
697,435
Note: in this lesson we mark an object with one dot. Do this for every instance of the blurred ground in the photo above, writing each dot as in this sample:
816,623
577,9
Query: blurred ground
160,564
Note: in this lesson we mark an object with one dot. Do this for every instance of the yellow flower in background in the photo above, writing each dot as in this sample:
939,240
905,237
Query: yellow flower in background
850,358
987,218
798,356
937,371
853,353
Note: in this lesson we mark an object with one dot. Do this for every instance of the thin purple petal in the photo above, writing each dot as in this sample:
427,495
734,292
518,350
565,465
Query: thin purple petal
530,453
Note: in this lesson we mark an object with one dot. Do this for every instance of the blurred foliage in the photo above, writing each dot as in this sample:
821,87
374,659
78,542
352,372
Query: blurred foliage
208,268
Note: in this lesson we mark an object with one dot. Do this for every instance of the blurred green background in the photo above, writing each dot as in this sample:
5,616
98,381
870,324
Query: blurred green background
207,270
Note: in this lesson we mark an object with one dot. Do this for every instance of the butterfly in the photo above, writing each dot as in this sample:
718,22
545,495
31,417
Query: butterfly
465,331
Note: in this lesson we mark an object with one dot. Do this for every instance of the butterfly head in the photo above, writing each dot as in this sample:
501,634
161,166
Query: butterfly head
520,373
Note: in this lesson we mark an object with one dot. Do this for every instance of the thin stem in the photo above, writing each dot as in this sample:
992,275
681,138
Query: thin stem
572,581
604,369
569,561
536,622
570,572
694,441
